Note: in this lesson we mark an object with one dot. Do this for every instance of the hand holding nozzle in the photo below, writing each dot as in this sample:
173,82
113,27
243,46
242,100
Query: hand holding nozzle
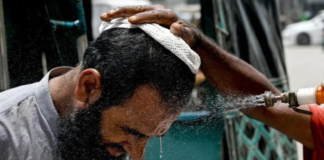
313,95
287,97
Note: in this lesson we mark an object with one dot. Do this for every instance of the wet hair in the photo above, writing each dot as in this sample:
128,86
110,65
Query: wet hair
128,58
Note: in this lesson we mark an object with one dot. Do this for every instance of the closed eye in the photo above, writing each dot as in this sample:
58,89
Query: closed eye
134,132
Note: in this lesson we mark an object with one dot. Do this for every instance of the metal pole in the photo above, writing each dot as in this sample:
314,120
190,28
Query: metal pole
217,23
4,74
82,41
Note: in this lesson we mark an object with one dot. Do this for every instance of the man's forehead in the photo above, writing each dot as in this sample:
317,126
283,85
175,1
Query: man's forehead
145,113
151,121
159,128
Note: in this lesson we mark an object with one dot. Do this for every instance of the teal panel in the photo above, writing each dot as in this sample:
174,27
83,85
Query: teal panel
191,116
192,140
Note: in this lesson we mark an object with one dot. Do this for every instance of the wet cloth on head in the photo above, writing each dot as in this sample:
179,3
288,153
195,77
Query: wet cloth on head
164,36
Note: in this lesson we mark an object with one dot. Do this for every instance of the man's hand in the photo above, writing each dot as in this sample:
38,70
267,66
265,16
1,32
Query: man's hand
156,14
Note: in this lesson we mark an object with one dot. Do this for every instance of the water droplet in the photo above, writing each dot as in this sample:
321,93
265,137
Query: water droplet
161,151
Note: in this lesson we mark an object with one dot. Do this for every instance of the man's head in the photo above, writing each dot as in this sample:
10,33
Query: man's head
130,88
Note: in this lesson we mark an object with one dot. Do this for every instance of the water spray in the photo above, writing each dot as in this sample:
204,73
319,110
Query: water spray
314,95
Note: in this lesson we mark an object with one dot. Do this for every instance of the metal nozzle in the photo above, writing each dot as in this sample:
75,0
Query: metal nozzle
270,99
287,97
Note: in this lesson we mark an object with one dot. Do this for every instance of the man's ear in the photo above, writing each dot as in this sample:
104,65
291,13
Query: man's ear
88,89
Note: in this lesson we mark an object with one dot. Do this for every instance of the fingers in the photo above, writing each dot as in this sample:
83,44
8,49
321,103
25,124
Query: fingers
104,17
128,11
162,17
177,29
185,32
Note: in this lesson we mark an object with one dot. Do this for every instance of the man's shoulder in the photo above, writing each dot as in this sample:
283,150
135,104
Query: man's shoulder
22,124
14,96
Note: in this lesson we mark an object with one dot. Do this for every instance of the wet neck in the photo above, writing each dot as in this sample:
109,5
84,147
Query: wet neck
62,92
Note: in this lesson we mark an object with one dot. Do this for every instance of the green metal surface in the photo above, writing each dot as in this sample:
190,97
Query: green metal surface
255,140
246,138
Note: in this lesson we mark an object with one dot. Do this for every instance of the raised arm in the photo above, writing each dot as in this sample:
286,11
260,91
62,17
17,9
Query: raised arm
227,73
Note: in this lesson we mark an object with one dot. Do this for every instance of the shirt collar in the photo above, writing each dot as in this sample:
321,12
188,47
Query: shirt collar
44,99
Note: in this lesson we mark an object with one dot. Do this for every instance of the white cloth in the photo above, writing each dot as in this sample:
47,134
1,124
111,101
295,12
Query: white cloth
164,36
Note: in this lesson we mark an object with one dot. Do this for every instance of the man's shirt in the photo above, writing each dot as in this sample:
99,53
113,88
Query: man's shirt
317,125
29,121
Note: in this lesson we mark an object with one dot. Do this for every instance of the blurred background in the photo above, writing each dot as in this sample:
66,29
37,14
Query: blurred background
283,39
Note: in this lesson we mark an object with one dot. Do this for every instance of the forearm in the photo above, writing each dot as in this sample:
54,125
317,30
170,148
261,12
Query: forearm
230,75
295,125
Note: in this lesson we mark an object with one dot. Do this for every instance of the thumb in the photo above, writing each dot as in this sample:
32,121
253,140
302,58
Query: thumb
182,32
175,28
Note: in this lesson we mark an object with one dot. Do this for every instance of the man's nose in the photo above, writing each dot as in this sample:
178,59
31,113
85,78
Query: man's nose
136,149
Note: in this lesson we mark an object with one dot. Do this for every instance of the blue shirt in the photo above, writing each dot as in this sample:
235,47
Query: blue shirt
29,121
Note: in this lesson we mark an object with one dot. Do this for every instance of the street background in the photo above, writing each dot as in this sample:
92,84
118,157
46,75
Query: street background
305,65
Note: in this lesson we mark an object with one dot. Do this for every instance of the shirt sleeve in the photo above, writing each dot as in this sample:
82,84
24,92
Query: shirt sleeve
317,125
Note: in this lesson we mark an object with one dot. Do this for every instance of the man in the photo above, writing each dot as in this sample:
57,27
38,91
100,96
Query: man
96,126
128,88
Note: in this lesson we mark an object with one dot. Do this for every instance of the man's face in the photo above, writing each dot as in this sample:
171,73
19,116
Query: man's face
133,123
112,132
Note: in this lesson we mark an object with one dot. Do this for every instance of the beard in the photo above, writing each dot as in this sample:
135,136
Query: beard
80,138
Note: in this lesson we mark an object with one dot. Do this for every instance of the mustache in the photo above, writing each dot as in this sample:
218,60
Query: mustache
115,145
